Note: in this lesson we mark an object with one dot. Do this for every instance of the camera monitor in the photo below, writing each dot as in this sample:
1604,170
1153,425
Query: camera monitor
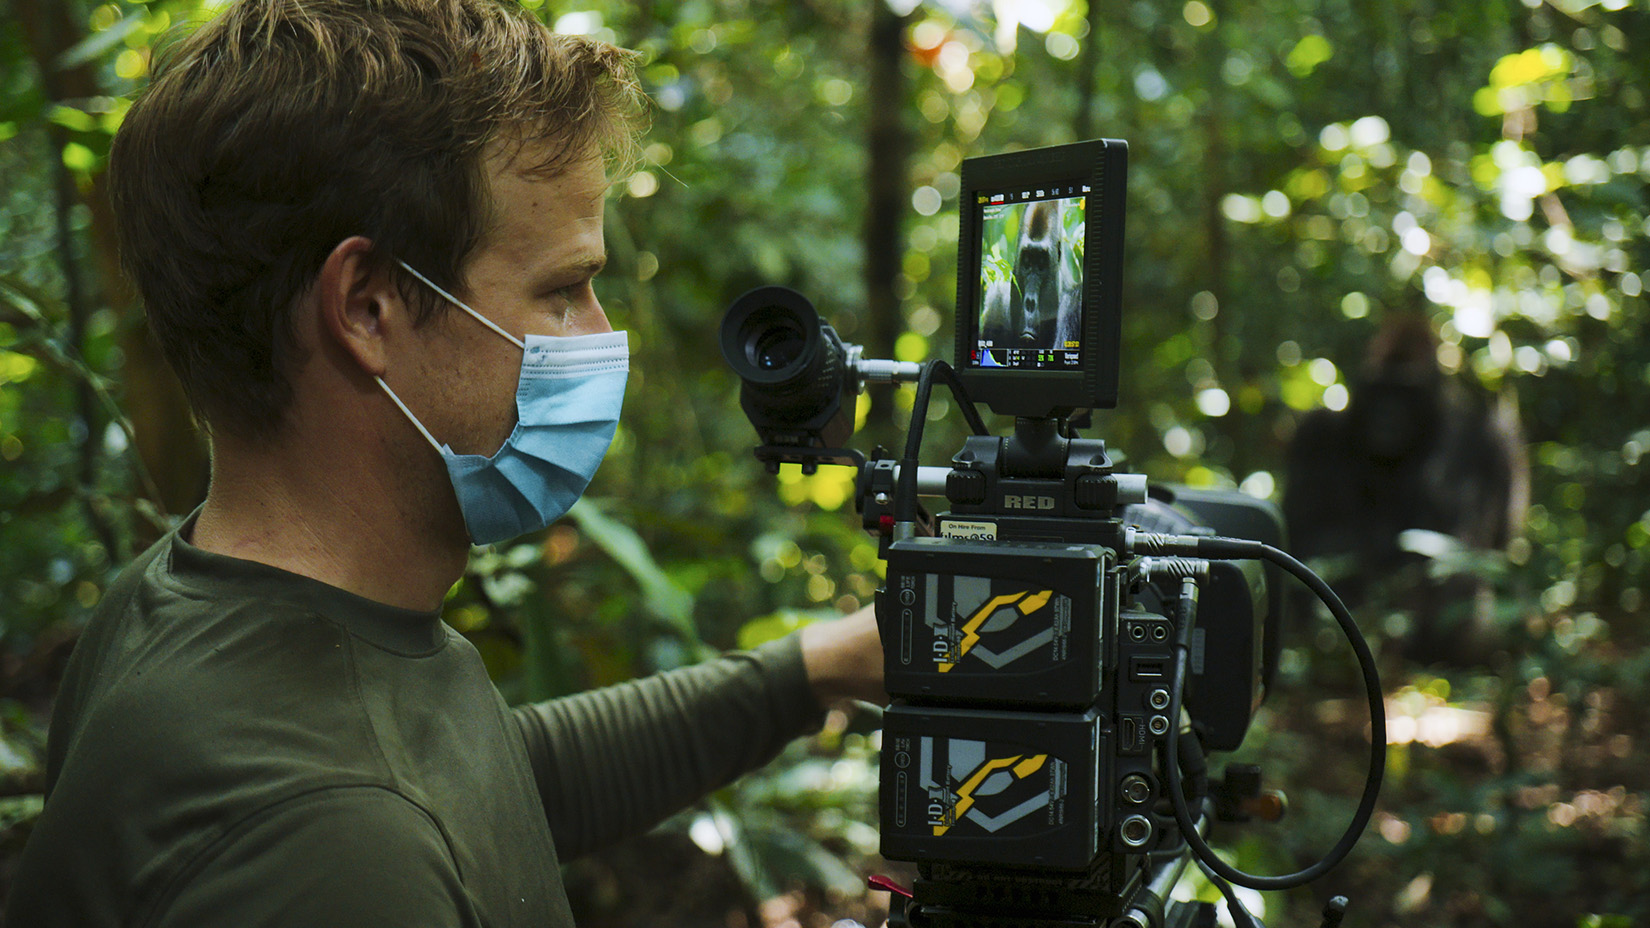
1040,258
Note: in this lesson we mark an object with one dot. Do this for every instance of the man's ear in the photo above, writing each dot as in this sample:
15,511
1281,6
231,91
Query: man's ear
359,304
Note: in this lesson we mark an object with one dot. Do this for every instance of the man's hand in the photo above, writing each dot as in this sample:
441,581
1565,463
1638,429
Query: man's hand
844,658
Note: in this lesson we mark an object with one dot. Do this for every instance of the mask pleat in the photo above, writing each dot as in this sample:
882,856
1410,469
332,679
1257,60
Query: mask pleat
576,402
568,397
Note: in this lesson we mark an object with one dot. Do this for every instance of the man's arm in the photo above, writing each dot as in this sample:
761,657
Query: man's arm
616,761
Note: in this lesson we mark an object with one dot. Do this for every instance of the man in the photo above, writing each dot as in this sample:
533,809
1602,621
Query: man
365,233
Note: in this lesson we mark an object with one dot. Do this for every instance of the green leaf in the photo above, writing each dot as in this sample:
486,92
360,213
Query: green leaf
16,810
1308,53
97,43
790,857
776,625
661,595
71,118
79,157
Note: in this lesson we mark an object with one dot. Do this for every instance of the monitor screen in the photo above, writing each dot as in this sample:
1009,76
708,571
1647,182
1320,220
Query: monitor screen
1029,305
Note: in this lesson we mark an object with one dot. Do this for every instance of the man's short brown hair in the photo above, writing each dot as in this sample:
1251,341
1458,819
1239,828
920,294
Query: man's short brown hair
282,127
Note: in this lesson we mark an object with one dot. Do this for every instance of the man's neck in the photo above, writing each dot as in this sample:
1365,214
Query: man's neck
330,521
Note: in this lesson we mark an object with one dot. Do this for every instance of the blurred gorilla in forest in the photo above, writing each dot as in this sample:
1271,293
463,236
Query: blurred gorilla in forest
1415,452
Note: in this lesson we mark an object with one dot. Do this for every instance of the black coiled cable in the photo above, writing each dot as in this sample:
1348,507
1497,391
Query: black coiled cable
1216,548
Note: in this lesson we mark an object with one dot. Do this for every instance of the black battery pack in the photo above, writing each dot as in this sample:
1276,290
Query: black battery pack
975,623
992,787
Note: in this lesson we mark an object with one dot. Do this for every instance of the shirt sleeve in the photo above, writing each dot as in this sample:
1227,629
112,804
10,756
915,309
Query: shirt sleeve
351,857
614,762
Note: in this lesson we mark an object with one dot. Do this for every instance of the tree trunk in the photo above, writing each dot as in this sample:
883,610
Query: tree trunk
1224,350
888,150
168,445
1088,66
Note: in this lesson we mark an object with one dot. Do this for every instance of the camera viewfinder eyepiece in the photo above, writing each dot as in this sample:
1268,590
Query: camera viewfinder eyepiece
771,336
798,387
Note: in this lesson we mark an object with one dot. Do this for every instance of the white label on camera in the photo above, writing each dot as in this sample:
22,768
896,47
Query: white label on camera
969,531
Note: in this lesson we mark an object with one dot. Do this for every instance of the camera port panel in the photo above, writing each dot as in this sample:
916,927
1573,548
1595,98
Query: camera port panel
1153,669
1131,734
1147,631
1135,787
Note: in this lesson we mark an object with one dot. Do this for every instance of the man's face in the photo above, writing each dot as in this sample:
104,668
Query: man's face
531,275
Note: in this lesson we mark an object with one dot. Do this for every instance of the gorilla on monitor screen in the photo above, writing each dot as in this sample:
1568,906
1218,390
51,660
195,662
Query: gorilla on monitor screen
1037,307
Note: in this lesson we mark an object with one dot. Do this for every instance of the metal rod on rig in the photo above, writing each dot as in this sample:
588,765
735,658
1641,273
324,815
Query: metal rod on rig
877,370
930,479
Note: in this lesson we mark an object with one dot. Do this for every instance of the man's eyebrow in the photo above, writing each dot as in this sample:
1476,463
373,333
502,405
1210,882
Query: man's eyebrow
579,269
591,266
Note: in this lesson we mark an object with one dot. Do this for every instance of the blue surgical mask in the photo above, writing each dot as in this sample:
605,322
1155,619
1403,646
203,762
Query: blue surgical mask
567,408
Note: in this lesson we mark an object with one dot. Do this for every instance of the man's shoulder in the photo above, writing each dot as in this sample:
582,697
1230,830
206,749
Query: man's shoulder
206,718
176,693
360,854
186,718
170,680
348,855
151,610
161,657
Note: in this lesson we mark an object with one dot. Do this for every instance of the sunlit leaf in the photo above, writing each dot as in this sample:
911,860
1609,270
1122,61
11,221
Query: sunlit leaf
95,45
661,595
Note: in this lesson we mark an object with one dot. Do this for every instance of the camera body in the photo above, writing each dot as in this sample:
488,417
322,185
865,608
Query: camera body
1027,648
1028,658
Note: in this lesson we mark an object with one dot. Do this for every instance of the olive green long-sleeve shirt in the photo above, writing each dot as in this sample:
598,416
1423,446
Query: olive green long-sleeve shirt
237,745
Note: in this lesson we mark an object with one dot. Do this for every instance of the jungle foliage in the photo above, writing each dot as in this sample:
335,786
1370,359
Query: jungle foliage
1300,171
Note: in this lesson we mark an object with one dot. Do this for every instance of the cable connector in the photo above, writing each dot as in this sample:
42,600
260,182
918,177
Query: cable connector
1206,546
1172,568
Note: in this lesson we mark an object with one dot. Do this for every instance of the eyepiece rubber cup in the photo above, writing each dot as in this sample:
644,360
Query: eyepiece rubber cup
771,336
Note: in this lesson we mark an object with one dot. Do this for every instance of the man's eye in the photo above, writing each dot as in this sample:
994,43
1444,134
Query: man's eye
565,294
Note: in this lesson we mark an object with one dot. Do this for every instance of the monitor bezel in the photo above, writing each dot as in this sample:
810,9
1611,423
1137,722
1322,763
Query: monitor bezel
1102,164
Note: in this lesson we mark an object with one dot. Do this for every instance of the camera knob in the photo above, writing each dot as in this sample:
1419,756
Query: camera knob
1094,491
965,487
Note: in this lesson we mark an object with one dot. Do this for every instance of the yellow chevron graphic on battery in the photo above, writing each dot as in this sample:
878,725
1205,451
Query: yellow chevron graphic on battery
1020,765
1027,602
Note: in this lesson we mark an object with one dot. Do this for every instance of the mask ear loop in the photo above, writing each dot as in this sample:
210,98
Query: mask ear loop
440,448
460,304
